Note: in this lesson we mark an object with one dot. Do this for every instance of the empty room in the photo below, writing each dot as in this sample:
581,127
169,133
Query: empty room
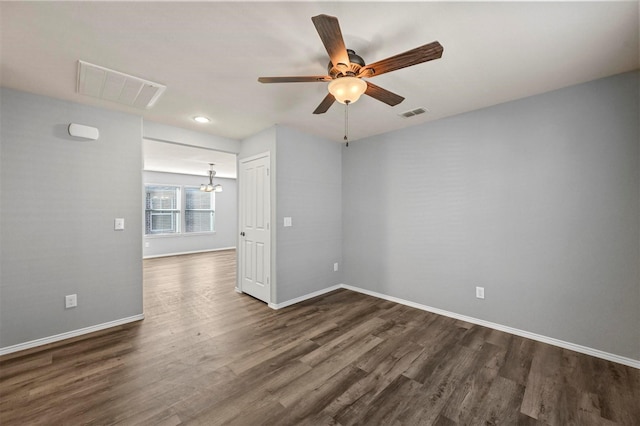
320,213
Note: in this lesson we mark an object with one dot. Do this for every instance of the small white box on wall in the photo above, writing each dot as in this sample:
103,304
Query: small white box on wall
83,132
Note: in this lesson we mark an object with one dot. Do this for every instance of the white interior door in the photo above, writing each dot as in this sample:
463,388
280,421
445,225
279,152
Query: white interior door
255,234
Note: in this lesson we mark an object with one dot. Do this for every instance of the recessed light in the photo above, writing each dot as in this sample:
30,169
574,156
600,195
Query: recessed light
202,119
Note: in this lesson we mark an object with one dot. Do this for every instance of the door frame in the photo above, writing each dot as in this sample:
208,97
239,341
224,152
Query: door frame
272,229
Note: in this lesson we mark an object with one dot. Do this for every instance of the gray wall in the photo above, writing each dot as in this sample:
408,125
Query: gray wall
309,185
536,200
59,199
306,180
226,219
259,143
226,201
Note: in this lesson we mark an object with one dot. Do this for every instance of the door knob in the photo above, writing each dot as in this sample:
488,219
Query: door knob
242,234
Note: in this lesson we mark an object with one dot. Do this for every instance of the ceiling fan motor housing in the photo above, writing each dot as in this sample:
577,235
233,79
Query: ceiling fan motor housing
347,69
356,62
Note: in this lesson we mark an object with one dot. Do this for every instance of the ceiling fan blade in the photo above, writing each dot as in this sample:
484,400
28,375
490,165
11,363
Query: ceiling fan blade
329,30
325,104
383,95
421,54
301,79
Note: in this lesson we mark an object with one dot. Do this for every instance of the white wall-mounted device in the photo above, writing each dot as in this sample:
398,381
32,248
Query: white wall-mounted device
84,132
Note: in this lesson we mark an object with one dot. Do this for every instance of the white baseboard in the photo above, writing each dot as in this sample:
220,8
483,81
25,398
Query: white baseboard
68,335
522,333
303,298
187,252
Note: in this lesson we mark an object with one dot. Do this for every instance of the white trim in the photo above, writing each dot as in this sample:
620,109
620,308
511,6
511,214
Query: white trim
153,237
187,252
254,157
68,335
305,297
522,333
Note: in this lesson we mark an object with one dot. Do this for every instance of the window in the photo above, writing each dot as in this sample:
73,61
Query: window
167,205
162,209
198,210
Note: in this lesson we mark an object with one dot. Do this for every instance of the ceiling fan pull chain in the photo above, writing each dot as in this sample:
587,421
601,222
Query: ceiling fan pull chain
346,122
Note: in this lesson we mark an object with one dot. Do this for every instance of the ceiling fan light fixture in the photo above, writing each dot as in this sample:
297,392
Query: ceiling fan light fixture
347,90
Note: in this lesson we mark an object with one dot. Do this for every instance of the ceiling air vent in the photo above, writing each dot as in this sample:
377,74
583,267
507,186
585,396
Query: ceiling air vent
115,86
413,112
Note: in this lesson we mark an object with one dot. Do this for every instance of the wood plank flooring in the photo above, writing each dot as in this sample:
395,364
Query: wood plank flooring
206,355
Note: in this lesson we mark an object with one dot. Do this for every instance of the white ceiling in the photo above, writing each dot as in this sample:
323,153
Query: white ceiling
189,160
210,54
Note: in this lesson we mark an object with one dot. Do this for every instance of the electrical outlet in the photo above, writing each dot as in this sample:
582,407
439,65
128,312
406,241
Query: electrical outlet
480,292
70,301
335,267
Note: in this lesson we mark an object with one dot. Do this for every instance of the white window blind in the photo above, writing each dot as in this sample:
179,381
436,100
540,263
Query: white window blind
199,212
162,209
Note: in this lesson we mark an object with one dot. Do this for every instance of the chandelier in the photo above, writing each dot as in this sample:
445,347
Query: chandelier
210,187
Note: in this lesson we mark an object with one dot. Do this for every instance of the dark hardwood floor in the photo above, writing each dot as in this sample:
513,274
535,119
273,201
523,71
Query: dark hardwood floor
207,355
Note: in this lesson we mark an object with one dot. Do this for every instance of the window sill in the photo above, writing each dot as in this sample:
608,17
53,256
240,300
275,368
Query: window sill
178,235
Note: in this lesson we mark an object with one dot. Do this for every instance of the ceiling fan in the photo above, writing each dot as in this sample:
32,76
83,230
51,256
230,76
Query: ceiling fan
346,69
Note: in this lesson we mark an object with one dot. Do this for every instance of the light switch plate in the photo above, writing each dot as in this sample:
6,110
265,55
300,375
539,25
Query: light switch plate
287,221
118,224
